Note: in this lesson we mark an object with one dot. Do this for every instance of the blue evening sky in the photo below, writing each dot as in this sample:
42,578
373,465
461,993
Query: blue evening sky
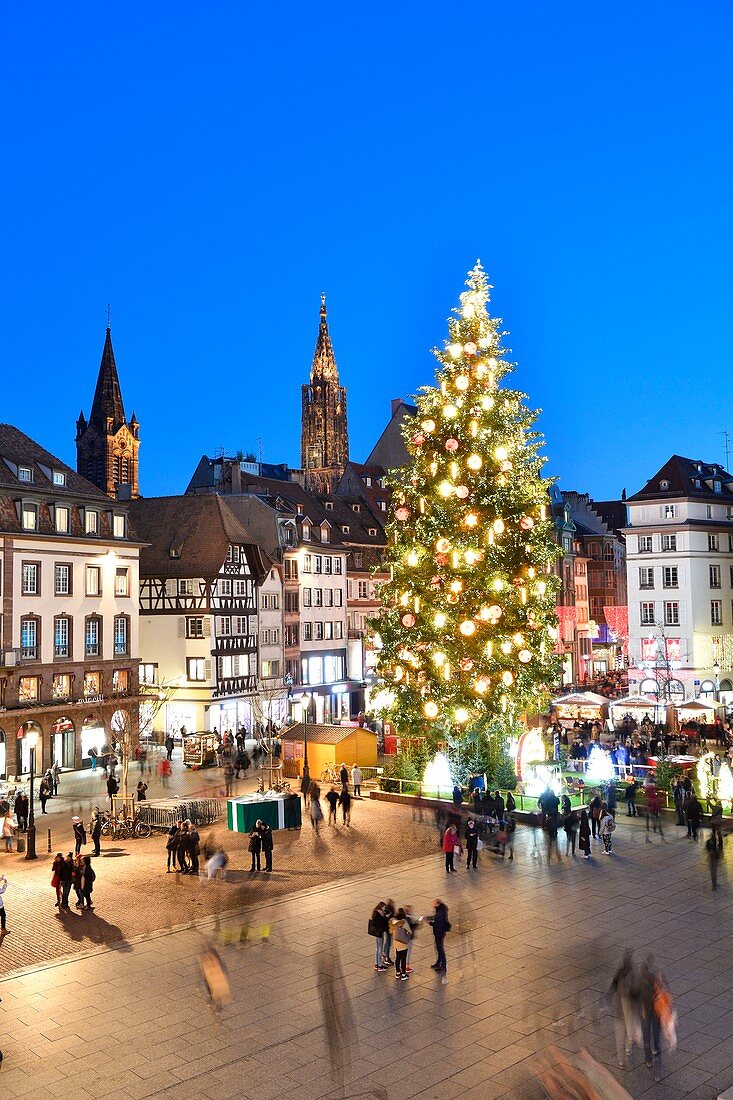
210,168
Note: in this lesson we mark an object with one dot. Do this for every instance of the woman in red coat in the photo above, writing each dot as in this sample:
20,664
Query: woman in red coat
451,842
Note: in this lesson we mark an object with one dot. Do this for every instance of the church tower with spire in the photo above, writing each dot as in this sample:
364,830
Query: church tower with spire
324,438
107,444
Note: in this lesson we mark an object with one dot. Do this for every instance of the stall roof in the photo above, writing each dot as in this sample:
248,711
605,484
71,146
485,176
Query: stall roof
636,701
581,698
696,704
322,734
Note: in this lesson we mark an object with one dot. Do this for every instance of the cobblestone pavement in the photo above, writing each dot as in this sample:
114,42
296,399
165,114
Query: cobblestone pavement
530,957
133,893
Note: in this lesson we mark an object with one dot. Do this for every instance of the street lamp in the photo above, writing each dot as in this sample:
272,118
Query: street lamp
306,770
32,739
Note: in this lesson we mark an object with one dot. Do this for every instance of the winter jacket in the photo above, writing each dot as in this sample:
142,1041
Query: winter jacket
451,840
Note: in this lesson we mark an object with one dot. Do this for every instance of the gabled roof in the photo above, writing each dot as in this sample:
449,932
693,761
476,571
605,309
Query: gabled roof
18,449
681,475
390,451
107,403
189,536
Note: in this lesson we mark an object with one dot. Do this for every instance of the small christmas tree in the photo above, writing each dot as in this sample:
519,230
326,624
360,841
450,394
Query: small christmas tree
467,625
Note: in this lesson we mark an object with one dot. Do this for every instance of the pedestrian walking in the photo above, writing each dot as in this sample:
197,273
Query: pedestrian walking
401,934
164,772
714,853
267,843
451,845
316,813
80,836
356,780
87,881
95,830
584,834
142,791
510,827
570,826
441,926
3,887
56,877
377,928
345,804
332,799
8,832
171,847
678,794
471,837
552,824
716,823
625,985
607,827
93,759
255,847
650,1023
228,778
44,793
55,772
169,746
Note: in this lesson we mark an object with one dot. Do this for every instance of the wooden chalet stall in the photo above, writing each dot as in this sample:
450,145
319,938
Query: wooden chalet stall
328,747
580,706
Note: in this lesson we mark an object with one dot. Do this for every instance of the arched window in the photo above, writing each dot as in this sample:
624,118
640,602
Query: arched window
116,469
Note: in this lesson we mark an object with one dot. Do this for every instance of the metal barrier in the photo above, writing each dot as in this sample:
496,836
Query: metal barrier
164,813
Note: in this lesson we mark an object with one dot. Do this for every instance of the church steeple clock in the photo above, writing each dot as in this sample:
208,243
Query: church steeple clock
324,440
107,445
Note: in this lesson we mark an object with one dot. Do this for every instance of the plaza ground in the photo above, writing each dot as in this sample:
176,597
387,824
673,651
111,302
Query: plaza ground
531,954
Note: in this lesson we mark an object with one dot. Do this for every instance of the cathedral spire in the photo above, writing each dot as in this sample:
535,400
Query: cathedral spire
107,404
324,362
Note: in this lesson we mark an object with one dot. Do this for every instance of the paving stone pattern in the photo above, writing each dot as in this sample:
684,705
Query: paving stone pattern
530,958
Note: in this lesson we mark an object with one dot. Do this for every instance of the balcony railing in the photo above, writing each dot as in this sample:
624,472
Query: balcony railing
244,643
235,685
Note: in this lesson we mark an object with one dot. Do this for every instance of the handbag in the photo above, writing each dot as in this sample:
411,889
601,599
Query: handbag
479,845
373,928
402,935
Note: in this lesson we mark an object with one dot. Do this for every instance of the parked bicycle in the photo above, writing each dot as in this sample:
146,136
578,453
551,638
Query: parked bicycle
122,828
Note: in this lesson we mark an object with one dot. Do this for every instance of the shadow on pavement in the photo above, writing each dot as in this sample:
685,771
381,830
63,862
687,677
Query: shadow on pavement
89,926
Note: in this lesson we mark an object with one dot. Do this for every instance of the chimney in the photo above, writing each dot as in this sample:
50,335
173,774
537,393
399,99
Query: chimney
396,402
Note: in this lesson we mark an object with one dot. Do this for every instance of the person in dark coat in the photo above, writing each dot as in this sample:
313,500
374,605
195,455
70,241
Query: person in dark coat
44,793
18,810
194,848
141,789
332,799
80,836
345,804
255,847
570,825
169,746
344,777
630,796
511,804
457,796
471,836
87,882
171,847
441,926
267,843
694,816
499,804
95,830
66,872
112,789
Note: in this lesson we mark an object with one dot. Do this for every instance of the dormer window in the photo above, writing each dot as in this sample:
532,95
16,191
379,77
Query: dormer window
25,473
91,521
59,477
29,516
346,530
372,530
324,532
329,505
62,519
382,505
664,486
299,509
716,486
356,507
697,483
367,481
306,532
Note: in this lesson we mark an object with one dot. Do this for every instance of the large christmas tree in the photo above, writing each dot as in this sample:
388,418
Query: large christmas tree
468,619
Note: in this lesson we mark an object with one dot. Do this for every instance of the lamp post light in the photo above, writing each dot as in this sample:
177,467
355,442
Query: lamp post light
32,739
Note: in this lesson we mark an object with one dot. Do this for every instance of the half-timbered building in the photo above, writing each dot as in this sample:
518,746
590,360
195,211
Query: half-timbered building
199,576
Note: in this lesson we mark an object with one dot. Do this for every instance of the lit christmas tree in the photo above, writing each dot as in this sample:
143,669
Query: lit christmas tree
468,620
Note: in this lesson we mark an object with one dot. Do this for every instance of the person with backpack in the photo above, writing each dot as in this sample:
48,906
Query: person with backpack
377,927
607,827
401,935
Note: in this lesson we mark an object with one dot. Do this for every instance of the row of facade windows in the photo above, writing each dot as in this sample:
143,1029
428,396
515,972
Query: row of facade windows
668,543
671,613
670,576
63,633
30,513
318,563
63,579
316,632
29,687
323,597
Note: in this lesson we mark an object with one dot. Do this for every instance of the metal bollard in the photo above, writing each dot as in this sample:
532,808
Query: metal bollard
49,841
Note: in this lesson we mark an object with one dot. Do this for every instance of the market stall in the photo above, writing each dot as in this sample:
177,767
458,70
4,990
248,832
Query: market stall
199,750
699,710
638,707
279,811
580,706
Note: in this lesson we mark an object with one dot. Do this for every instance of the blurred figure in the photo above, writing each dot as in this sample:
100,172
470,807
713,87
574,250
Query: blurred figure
570,825
552,823
510,824
215,977
694,816
625,986
716,822
414,923
630,796
338,1017
714,853
332,799
584,834
651,994
216,864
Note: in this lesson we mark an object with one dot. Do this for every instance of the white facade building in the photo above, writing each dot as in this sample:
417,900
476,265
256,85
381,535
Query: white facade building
679,552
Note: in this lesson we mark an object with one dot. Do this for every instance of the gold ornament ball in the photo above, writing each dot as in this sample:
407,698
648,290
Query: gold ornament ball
467,628
430,709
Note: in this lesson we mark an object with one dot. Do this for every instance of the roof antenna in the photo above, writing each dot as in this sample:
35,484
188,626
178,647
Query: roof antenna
726,436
